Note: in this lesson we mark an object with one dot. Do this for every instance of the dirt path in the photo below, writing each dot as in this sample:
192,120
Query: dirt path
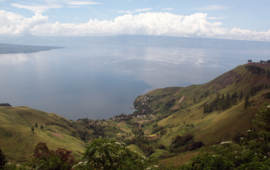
179,102
182,98
58,135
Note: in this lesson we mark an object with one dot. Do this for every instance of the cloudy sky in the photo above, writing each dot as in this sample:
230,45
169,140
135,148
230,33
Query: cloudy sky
230,19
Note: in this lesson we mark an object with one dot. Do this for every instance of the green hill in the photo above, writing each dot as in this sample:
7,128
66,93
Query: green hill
17,140
181,111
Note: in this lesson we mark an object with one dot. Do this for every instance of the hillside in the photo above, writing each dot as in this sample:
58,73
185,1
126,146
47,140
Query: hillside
18,141
181,110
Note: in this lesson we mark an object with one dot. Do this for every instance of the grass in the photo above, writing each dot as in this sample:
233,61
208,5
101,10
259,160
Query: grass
216,126
18,141
179,159
136,149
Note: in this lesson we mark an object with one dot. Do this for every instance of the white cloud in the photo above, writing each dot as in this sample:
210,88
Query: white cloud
211,8
82,3
125,12
35,8
142,10
136,10
215,17
150,23
167,9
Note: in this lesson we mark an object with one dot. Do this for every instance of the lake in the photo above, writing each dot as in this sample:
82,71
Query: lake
101,81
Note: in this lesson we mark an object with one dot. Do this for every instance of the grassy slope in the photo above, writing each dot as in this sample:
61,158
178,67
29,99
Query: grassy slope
216,126
18,141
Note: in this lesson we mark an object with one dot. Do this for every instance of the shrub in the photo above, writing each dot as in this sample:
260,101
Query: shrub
3,160
61,159
111,155
161,146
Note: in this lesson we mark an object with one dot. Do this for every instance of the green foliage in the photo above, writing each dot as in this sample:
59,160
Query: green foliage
111,155
3,160
161,146
221,103
45,159
255,69
251,152
262,119
253,90
157,129
246,102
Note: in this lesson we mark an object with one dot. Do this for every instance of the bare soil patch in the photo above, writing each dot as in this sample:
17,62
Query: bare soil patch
147,132
121,124
182,98
142,121
58,135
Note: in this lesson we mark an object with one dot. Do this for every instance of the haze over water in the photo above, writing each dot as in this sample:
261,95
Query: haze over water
101,81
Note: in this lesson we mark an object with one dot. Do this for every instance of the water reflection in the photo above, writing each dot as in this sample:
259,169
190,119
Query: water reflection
102,81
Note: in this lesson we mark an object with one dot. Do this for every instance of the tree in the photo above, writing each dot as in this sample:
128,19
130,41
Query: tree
3,160
194,100
36,125
262,119
32,129
112,155
41,127
241,95
246,102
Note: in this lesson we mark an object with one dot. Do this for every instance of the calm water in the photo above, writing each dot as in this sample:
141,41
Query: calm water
103,81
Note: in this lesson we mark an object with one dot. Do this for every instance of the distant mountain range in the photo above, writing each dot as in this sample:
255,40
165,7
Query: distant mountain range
184,42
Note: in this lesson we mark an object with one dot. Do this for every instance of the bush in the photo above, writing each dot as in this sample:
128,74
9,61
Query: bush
3,160
111,155
161,146
43,158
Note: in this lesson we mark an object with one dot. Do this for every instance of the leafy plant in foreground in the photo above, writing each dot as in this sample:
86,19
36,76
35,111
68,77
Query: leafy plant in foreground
111,155
3,160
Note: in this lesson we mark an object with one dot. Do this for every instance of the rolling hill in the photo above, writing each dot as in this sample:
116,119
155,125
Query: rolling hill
181,110
17,140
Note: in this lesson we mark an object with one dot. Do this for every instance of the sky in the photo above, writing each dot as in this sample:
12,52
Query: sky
230,19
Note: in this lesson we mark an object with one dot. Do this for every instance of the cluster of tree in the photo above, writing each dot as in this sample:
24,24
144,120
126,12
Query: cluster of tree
36,126
98,130
157,129
253,90
82,134
268,74
5,104
169,104
255,69
184,143
222,103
